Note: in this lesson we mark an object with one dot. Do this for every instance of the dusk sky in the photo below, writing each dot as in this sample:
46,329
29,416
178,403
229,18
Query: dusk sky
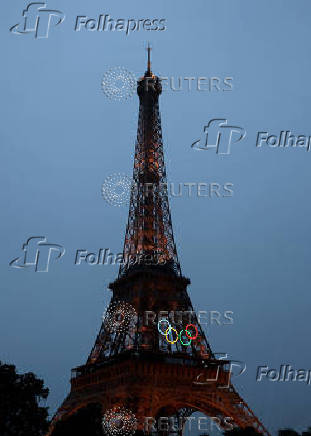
248,253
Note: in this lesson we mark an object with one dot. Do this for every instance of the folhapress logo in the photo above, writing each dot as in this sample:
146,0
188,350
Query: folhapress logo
219,135
38,254
38,20
229,372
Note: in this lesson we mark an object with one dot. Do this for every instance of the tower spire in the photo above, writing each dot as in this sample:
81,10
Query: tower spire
148,72
149,240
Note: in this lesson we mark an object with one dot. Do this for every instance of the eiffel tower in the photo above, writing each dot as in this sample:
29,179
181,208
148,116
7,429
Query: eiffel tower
151,357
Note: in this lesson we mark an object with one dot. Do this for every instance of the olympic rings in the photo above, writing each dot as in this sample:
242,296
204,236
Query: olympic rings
179,335
191,337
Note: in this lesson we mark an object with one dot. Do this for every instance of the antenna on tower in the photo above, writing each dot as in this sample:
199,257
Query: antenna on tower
148,72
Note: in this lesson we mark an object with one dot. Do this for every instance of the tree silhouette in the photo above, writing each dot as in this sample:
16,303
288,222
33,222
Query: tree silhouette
20,394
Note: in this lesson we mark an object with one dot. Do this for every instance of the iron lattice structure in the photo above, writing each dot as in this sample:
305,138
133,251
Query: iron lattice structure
149,233
134,364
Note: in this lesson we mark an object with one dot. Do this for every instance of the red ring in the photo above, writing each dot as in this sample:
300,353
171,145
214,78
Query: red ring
191,337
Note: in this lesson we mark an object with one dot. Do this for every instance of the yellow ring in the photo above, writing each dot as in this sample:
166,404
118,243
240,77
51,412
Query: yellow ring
170,329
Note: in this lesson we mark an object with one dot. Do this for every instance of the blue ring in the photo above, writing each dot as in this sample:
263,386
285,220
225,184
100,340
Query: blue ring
168,323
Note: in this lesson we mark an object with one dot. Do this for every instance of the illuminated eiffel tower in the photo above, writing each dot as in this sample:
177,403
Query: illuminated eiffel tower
153,365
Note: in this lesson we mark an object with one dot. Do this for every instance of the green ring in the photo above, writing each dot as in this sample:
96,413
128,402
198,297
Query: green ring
182,341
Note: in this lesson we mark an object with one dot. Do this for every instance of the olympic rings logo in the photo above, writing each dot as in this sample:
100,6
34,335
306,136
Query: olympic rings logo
171,335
